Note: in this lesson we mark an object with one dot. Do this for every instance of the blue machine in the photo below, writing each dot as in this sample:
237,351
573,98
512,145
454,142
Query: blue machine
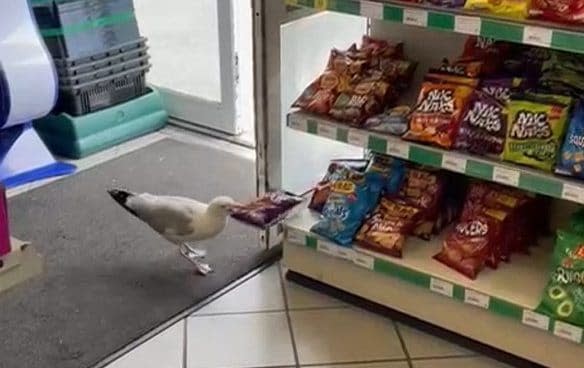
28,90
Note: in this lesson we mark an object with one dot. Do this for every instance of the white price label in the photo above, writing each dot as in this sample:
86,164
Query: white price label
573,193
533,319
453,163
477,299
364,260
358,138
345,253
506,176
326,248
398,149
467,25
327,131
298,123
537,36
568,331
416,17
371,10
296,237
442,287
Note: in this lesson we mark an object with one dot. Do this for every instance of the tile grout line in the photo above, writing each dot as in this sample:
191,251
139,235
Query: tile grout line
288,317
403,344
302,309
185,341
352,363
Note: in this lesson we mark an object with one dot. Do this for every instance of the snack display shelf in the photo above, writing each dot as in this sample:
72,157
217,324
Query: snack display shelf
544,34
19,265
473,166
452,314
511,292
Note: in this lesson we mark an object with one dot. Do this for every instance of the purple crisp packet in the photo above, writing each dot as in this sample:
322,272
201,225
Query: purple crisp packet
501,88
483,127
267,210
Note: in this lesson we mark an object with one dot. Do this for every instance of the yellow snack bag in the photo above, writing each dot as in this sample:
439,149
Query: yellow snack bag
518,9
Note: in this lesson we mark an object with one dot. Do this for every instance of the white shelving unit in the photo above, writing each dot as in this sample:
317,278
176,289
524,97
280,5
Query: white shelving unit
497,309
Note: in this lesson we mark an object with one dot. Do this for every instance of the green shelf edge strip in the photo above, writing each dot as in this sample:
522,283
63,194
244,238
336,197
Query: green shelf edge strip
551,186
496,306
505,30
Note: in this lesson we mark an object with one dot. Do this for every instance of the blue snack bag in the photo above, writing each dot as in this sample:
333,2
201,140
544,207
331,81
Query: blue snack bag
571,160
346,207
385,174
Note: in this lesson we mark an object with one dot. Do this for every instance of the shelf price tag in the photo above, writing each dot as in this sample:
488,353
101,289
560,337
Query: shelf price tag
573,193
327,131
467,25
537,36
296,237
568,331
398,149
477,299
371,10
442,287
533,319
506,176
454,163
358,138
345,253
297,122
326,248
415,17
364,260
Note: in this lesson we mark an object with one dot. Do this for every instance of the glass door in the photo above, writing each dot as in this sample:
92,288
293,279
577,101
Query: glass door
192,45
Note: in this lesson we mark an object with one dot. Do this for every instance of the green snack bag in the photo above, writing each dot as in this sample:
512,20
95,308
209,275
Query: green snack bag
535,130
563,296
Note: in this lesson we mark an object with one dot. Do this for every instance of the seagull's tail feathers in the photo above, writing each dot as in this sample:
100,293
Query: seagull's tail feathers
121,196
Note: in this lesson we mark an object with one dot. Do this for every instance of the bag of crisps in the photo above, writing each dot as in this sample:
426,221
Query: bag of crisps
571,160
337,170
535,130
436,117
563,297
518,9
346,207
484,127
564,11
386,229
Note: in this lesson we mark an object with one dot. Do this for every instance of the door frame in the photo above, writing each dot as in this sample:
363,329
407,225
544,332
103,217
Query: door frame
216,115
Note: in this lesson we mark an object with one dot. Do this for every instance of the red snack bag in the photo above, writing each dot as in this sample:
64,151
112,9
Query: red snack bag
564,11
492,53
367,99
320,95
437,116
461,68
467,247
386,229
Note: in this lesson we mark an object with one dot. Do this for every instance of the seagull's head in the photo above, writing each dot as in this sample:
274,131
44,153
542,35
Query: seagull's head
221,206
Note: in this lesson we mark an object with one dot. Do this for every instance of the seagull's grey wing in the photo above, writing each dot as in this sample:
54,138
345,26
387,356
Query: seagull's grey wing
166,215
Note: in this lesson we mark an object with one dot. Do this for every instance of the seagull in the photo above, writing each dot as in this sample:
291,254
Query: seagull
181,221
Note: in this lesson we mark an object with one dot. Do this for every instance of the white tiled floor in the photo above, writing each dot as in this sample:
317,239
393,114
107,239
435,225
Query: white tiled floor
267,322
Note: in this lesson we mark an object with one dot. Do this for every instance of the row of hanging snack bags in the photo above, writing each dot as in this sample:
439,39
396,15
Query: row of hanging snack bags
560,11
505,101
379,203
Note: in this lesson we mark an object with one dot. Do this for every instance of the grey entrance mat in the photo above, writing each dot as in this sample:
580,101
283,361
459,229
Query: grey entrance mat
109,279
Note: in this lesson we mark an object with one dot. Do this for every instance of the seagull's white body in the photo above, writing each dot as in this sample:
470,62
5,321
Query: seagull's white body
179,220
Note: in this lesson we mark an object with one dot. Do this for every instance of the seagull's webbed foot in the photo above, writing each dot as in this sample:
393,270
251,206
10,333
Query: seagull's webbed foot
194,256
